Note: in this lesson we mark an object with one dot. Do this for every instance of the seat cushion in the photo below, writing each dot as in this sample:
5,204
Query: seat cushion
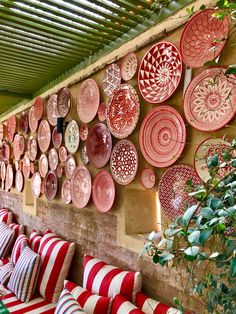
20,243
121,305
68,305
107,280
5,273
5,216
6,239
35,239
19,229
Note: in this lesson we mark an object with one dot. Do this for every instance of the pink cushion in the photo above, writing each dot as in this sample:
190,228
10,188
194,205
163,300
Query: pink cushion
19,229
4,261
5,216
107,280
35,239
121,305
6,239
20,243
5,273
67,304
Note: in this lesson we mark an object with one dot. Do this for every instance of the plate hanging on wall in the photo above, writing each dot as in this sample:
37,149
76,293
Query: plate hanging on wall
18,146
33,122
129,66
63,102
70,165
19,181
52,112
112,79
24,122
51,185
148,178
32,148
72,137
36,185
56,138
38,107
53,159
26,167
65,191
43,165
11,128
44,136
81,187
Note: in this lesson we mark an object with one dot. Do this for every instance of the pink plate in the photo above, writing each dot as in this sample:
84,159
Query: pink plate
102,112
56,138
210,100
99,145
62,154
38,107
103,191
59,171
9,177
43,165
18,146
88,100
173,190
26,167
33,122
124,162
43,185
63,102
32,167
81,187
32,148
129,66
162,136
18,165
84,132
24,122
160,72
51,185
44,135
65,191
112,79
72,137
148,178
6,151
70,166
52,112
19,181
84,155
123,111
203,38
11,128
3,170
36,185
1,131
53,159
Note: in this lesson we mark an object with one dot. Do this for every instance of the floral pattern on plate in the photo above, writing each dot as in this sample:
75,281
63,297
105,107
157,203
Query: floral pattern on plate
72,137
112,79
81,187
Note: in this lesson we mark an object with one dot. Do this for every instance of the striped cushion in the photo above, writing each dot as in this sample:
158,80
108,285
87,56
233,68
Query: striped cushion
107,280
56,256
20,244
24,276
5,216
68,305
4,261
90,303
6,239
35,239
19,229
5,273
122,306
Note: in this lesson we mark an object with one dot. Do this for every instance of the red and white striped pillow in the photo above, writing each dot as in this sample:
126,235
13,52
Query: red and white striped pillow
107,280
35,239
122,306
90,303
4,261
5,216
24,276
20,243
56,256
5,273
67,304
19,229
6,239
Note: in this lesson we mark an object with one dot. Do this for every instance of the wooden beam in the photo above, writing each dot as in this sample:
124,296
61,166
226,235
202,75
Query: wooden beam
15,94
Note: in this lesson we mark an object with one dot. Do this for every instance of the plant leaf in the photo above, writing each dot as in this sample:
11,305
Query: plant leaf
194,237
192,251
188,214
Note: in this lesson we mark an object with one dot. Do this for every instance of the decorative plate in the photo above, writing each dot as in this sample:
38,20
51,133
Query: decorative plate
51,185
102,112
129,66
53,159
103,191
162,136
84,155
112,79
18,165
6,151
56,138
99,145
84,132
65,191
1,131
59,171
70,166
32,148
18,146
19,181
123,111
43,165
11,128
62,154
3,170
207,149
63,102
38,107
44,136
81,187
43,186
88,100
173,190
33,122
32,167
24,122
52,112
72,137
160,72
210,100
26,167
124,162
9,177
203,38
148,178
36,184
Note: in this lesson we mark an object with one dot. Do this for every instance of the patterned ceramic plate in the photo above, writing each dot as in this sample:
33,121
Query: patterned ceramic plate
32,148
1,131
51,185
62,154
43,165
11,128
63,102
32,167
9,177
112,79
52,112
38,107
84,155
65,191
24,122
19,181
70,166
56,138
72,137
148,178
33,122
26,167
102,112
59,171
3,170
84,132
36,184
81,187
18,146
53,159
6,151
129,66
44,136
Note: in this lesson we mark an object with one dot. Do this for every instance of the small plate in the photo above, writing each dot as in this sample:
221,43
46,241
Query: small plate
52,112
32,148
56,138
63,102
26,167
33,121
19,181
148,178
36,185
70,166
43,165
84,132
18,146
38,107
62,154
44,136
72,137
112,79
24,122
129,66
81,187
51,185
53,159
65,191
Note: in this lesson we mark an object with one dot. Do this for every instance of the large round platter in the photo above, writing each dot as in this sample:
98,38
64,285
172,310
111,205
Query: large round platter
160,72
26,167
32,148
102,112
52,112
62,152
173,190
36,185
43,165
38,107
18,146
210,100
81,187
124,162
56,138
24,122
63,102
51,185
123,111
148,178
19,181
162,136
203,38
70,166
112,79
66,191
88,100
9,177
33,122
129,66
103,191
11,128
99,145
53,159
44,136
72,137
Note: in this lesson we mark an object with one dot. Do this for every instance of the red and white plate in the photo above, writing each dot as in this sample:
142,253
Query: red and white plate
43,165
3,170
65,191
59,171
123,111
103,191
173,190
56,138
32,148
84,132
70,166
33,121
84,155
19,181
102,112
26,167
112,79
210,100
99,145
52,112
81,187
11,128
51,185
148,178
6,151
53,159
162,136
160,72
63,102
203,38
24,122
62,152
72,137
32,167
36,184
18,146
124,162
44,136
9,177
129,66
38,107
1,131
